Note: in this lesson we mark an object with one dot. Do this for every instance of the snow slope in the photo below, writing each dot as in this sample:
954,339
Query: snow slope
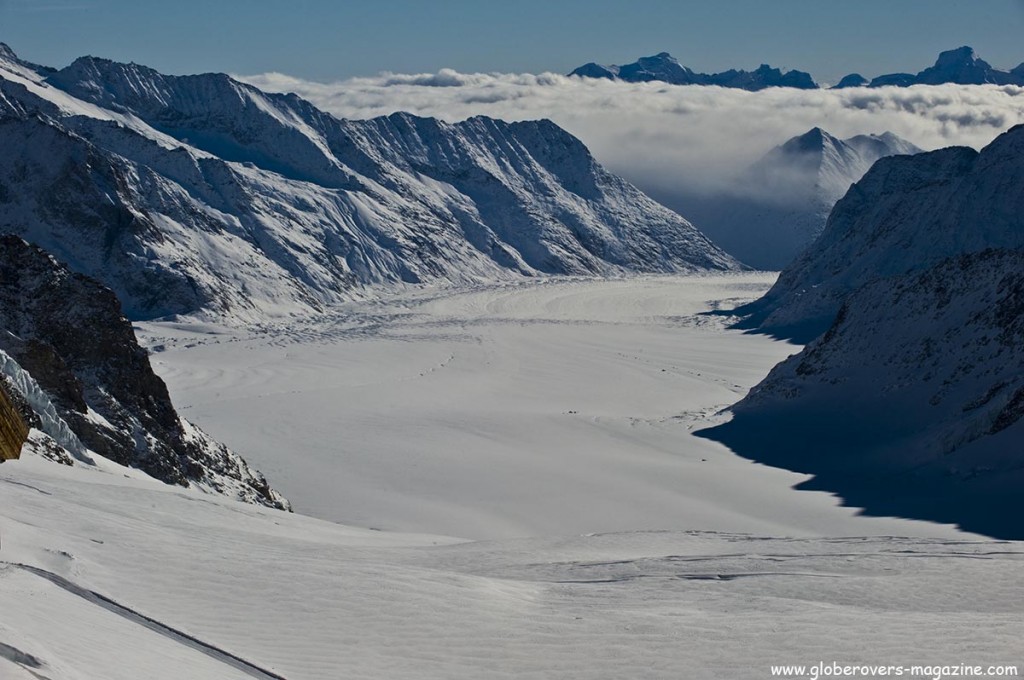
907,214
910,402
201,194
780,204
293,597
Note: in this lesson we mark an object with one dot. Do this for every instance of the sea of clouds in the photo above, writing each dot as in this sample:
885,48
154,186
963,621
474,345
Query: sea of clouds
663,137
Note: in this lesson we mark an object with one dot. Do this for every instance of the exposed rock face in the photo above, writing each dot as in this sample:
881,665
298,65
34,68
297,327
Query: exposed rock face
13,428
665,68
200,194
67,331
911,402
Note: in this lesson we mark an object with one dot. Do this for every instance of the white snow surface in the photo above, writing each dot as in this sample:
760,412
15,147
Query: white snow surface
506,411
605,546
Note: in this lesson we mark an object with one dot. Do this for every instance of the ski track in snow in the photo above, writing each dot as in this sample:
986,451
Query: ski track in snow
157,627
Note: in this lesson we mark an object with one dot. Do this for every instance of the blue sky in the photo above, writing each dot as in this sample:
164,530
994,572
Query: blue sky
335,39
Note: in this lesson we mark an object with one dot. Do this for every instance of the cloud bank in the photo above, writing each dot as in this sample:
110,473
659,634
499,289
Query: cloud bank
666,138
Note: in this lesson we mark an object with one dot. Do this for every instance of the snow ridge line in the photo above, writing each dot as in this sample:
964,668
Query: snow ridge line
158,627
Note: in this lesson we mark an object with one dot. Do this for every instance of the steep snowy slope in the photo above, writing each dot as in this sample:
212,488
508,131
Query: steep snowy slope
908,213
73,360
780,204
199,193
910,403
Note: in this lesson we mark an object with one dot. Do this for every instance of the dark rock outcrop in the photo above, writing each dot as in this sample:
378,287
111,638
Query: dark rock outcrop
13,428
68,332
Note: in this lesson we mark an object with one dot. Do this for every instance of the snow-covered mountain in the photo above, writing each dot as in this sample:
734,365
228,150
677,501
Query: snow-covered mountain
664,67
87,387
961,66
780,204
911,402
202,194
907,214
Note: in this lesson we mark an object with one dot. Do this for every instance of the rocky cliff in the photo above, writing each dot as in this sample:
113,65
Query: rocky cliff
67,332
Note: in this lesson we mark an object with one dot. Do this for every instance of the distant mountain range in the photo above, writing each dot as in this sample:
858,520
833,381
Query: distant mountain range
664,67
779,205
909,398
201,194
960,66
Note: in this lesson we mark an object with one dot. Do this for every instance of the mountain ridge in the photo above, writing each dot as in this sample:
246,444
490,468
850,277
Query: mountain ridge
870,223
202,171
960,66
907,398
666,68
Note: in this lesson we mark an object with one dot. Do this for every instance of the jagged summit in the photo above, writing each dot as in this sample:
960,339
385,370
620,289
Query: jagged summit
781,202
12,62
664,67
833,163
814,140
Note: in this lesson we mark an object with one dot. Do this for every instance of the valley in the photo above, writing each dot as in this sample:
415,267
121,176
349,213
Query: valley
548,512
547,408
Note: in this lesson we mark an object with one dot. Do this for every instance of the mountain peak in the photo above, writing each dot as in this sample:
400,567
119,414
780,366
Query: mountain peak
961,55
851,80
813,140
